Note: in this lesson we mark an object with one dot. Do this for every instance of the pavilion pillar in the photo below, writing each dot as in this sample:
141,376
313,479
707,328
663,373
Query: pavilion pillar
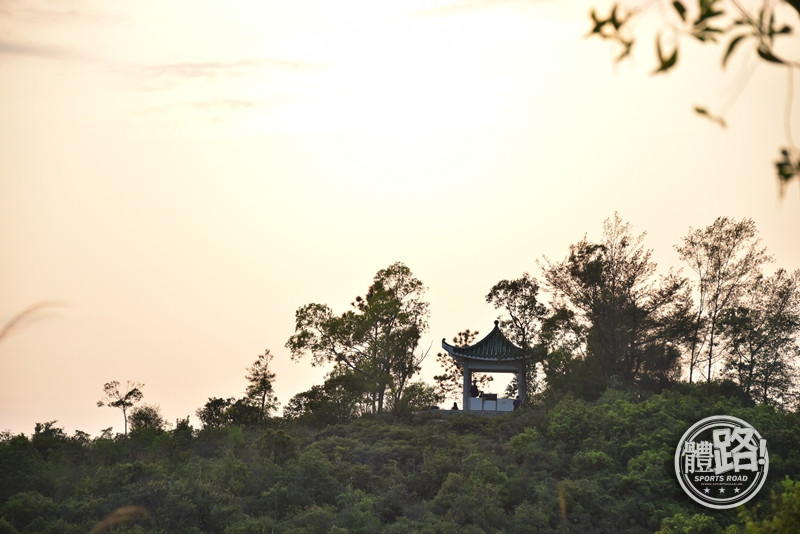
522,390
467,372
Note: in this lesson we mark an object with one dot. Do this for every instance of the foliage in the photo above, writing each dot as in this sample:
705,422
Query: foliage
726,259
338,400
450,383
609,292
768,28
260,384
377,339
783,514
219,412
254,408
416,397
522,320
614,322
146,418
696,524
762,331
594,452
215,412
566,465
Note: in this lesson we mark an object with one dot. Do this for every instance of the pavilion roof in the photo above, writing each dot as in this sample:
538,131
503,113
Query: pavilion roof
495,346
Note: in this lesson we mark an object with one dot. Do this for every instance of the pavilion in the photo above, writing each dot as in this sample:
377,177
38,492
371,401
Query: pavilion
492,354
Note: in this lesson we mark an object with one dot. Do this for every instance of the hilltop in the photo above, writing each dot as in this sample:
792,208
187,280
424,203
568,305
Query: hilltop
562,465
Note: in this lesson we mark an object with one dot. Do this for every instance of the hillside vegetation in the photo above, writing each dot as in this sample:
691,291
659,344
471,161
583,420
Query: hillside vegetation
561,465
591,449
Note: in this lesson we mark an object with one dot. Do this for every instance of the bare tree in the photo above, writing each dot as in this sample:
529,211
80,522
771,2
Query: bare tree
122,398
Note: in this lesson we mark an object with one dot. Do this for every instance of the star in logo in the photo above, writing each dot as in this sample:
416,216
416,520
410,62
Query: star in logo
722,490
736,490
707,490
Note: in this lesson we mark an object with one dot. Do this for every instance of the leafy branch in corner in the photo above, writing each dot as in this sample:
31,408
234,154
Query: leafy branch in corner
715,21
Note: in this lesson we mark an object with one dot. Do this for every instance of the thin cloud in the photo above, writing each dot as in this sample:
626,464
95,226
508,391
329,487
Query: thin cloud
167,75
469,5
53,12
213,111
199,70
211,69
10,48
227,104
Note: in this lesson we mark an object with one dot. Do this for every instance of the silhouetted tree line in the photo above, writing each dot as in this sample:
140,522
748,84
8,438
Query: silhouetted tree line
612,320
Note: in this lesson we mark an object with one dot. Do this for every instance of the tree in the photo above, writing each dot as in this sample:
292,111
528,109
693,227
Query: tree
338,400
377,339
259,389
214,414
146,418
708,21
417,396
763,338
522,320
218,412
451,381
611,291
783,514
726,258
563,337
259,400
122,398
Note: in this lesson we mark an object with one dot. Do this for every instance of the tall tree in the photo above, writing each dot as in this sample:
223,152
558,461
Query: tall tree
378,338
726,258
260,388
122,398
611,290
763,330
522,319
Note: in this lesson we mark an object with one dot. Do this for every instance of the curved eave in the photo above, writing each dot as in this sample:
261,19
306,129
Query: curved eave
494,347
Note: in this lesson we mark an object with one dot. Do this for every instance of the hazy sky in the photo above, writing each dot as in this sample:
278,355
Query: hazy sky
179,177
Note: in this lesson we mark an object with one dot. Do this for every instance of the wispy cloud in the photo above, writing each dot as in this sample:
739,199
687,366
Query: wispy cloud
203,70
458,6
11,48
51,12
211,111
226,104
167,75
